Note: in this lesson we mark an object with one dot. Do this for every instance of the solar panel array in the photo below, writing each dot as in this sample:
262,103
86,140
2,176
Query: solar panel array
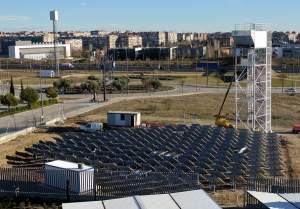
211,152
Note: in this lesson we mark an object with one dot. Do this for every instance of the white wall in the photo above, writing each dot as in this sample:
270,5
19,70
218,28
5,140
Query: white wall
14,51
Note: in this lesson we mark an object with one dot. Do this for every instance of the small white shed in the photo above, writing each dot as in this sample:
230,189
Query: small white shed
47,74
80,177
123,119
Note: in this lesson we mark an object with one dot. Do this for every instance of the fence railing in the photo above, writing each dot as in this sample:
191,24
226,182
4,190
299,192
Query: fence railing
31,183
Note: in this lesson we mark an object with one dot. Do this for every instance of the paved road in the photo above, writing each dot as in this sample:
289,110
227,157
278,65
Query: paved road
72,107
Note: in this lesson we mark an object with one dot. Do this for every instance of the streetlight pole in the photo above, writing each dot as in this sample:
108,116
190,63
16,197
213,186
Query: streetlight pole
127,71
42,99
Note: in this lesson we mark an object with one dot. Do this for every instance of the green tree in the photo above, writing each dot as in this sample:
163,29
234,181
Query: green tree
84,87
62,84
120,83
51,92
156,84
22,87
56,84
9,100
12,87
92,78
21,93
93,87
31,96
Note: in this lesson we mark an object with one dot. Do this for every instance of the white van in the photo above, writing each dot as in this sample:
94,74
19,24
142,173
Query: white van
92,127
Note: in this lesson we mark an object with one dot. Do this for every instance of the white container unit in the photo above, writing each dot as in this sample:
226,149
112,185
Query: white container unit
123,118
80,177
47,74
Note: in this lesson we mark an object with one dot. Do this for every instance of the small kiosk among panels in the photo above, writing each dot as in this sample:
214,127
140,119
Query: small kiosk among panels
123,119
79,176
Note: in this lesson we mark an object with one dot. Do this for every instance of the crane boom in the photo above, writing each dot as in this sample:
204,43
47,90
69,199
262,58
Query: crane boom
224,100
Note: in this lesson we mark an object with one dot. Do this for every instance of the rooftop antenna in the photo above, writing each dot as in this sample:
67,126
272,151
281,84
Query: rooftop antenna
54,18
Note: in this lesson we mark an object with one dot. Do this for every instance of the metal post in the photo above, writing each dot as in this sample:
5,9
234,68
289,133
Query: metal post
68,190
103,80
55,48
207,73
42,99
127,71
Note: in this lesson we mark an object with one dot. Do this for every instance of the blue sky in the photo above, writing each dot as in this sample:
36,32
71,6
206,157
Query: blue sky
172,15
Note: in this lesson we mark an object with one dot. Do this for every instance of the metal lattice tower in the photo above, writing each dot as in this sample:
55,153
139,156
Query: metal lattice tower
253,76
54,18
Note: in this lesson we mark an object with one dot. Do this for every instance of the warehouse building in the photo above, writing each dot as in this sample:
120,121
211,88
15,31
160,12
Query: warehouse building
38,51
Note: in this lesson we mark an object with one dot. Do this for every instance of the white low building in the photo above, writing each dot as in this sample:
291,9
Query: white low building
123,119
79,176
39,51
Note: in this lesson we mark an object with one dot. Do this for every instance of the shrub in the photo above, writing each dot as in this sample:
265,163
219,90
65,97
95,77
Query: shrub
156,84
92,78
120,83
9,100
62,84
31,96
51,92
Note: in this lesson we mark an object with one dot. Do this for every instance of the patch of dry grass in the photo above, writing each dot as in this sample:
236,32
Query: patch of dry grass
200,108
291,145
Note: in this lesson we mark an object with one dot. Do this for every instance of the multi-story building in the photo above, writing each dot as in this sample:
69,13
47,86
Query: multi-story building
112,41
75,44
129,41
153,39
288,51
292,36
48,38
219,45
99,33
11,40
189,37
279,39
25,50
171,37
202,37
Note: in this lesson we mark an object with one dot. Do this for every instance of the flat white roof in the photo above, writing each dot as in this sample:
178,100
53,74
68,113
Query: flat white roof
163,201
271,200
197,199
67,165
83,205
293,198
128,203
46,45
123,112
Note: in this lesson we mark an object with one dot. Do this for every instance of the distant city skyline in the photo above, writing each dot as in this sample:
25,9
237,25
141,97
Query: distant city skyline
154,15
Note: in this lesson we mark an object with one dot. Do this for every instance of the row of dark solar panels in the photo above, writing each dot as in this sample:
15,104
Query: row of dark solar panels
211,152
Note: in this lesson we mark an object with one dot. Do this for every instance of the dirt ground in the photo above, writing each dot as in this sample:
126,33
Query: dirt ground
200,108
229,198
291,154
21,142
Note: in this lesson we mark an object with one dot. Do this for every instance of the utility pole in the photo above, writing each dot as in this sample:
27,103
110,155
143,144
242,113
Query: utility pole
127,71
54,18
206,73
42,99
104,79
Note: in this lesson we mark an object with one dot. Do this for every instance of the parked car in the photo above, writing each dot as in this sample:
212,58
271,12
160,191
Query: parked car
296,128
91,127
290,91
